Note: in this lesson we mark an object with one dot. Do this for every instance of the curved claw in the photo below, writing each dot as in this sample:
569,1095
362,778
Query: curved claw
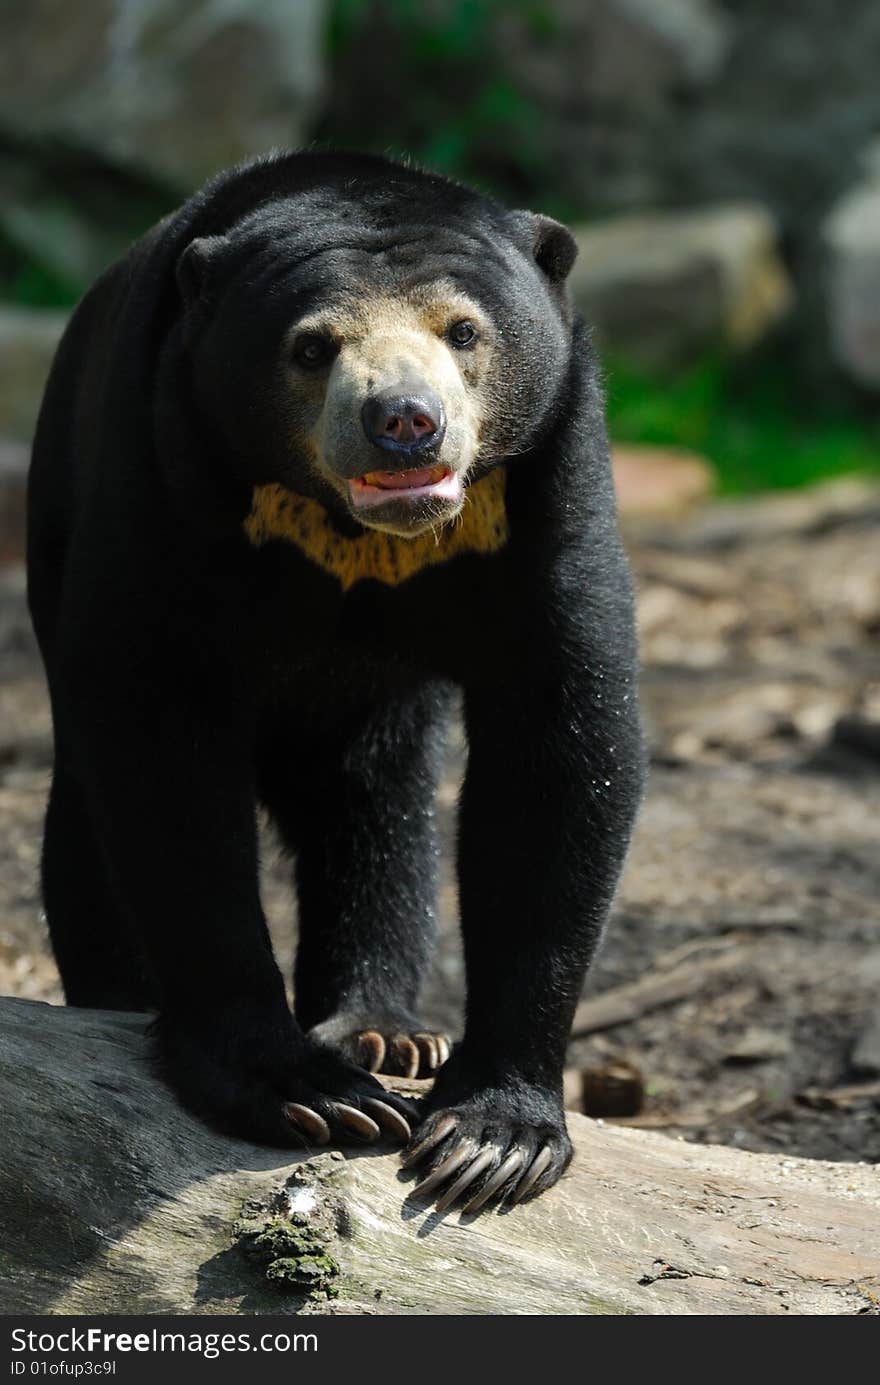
313,1126
371,1050
444,1048
430,1141
355,1121
460,1155
486,1157
510,1166
427,1046
390,1120
410,1112
541,1162
406,1055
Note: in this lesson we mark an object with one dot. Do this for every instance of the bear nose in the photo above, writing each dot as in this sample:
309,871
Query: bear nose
404,422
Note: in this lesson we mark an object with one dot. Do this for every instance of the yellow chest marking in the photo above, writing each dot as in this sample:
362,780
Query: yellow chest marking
278,513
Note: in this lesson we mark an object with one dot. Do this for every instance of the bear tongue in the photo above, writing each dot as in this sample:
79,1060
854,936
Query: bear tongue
404,480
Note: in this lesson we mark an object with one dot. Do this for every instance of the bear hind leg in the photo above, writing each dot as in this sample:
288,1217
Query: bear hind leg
99,961
358,812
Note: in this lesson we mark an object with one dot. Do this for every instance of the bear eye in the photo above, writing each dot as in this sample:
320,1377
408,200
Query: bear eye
311,350
462,333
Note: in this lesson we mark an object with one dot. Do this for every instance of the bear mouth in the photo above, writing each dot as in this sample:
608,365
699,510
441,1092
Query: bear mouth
375,488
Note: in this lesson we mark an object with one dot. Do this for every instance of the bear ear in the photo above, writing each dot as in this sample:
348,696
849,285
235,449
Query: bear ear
553,246
193,266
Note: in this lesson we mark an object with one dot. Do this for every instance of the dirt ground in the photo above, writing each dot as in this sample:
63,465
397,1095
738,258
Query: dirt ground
756,864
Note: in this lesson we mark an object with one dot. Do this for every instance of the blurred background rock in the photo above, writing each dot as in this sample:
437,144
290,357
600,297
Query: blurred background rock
719,161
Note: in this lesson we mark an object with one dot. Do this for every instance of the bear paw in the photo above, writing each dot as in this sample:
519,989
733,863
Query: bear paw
270,1085
491,1148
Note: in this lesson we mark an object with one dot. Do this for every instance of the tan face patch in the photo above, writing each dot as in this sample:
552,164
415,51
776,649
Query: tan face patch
386,344
481,527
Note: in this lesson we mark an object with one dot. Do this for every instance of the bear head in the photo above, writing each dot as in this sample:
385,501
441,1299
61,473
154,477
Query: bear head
375,337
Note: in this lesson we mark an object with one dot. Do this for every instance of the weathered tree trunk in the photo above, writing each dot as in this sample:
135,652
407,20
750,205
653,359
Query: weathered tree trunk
113,1200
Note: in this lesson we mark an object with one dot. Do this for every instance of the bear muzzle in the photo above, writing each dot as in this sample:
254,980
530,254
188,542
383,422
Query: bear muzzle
410,425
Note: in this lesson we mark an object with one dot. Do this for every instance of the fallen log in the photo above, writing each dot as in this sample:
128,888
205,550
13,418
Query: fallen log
114,1200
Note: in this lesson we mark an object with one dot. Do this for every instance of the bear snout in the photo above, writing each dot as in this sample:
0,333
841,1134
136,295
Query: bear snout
404,422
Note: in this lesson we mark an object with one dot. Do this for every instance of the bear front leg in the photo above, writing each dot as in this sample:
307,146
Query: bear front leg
167,776
552,786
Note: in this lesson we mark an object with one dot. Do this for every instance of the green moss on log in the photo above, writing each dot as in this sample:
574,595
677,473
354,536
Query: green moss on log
292,1254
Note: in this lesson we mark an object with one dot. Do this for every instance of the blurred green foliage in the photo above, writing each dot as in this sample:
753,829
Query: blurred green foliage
456,107
758,426
28,283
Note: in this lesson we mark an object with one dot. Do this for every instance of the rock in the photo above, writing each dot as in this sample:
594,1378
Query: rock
851,746
865,1056
659,480
815,721
858,734
758,1046
604,76
630,50
28,338
572,1093
683,42
661,288
696,576
177,87
678,628
850,502
13,487
17,643
852,233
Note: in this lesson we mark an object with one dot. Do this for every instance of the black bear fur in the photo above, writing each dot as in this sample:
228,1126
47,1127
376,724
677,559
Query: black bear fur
194,675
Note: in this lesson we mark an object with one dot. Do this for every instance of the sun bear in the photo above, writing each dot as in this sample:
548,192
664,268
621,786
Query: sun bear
323,450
